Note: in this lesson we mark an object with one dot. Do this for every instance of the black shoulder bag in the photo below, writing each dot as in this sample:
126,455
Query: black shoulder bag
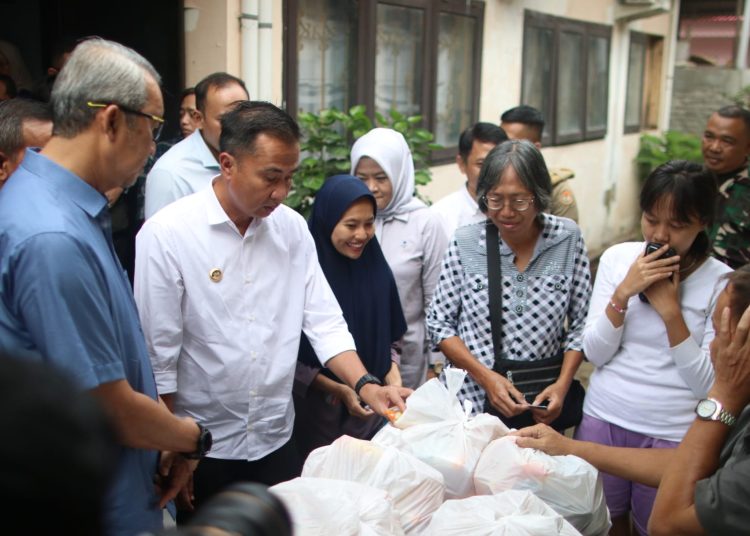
529,377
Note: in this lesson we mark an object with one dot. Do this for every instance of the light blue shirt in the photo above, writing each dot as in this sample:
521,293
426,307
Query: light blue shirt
65,300
186,168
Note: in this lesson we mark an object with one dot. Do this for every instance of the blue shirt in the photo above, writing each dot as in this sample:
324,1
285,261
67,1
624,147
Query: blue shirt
185,169
65,299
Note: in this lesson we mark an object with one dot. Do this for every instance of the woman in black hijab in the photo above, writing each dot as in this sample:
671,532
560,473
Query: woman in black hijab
343,227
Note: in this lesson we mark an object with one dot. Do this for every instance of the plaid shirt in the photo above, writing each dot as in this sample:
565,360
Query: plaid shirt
555,287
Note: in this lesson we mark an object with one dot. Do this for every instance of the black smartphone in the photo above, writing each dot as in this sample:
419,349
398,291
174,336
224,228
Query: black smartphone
542,405
650,248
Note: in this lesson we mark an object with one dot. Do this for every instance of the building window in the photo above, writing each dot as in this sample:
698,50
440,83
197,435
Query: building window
419,57
566,76
644,82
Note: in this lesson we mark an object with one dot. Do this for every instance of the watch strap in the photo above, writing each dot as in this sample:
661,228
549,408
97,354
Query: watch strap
364,380
203,444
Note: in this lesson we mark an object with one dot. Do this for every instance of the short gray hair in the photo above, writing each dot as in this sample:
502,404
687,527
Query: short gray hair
527,162
100,71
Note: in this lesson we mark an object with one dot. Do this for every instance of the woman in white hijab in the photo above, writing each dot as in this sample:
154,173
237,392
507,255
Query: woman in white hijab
409,234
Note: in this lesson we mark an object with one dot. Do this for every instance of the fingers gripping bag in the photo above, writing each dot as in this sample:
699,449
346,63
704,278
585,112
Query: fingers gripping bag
416,488
437,430
322,507
570,485
510,513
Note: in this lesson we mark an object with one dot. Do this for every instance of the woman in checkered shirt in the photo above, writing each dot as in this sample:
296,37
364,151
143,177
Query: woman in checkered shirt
546,284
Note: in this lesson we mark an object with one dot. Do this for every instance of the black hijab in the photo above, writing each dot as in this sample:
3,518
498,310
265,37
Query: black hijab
364,288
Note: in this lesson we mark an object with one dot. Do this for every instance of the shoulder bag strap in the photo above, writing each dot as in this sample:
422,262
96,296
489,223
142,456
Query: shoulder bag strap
495,285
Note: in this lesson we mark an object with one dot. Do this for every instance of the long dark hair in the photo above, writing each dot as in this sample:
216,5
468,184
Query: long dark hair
693,191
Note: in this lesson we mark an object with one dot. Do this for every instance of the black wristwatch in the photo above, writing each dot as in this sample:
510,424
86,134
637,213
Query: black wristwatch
364,380
203,445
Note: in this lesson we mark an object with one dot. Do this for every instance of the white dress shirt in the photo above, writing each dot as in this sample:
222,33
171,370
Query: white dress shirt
456,210
223,313
186,168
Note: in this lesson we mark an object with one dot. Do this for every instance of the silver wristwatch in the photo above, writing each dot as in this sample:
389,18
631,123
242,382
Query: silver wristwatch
710,409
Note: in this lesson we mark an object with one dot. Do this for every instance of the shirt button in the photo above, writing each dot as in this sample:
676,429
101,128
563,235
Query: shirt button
519,293
519,277
249,427
519,308
558,286
253,392
251,318
253,354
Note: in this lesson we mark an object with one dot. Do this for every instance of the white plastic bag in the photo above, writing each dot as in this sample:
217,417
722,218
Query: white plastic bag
570,485
511,513
416,488
437,430
322,507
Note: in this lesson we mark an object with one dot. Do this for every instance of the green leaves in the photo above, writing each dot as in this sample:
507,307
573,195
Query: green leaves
672,145
326,143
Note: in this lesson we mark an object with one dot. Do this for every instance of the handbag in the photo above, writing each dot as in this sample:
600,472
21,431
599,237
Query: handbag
529,377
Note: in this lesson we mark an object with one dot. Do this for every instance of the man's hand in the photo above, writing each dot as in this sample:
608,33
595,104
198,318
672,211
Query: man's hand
380,399
503,395
730,354
544,438
175,474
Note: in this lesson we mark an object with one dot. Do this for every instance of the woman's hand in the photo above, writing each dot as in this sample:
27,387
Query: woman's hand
645,271
555,395
664,296
394,376
544,438
350,399
503,395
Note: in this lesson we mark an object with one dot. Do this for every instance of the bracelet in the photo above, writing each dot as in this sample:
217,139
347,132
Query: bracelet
617,308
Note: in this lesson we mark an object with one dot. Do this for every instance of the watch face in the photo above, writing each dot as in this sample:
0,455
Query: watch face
705,408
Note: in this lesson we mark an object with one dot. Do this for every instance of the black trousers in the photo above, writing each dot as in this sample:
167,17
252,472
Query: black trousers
213,474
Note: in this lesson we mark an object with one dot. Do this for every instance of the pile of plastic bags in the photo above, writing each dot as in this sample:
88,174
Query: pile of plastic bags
438,471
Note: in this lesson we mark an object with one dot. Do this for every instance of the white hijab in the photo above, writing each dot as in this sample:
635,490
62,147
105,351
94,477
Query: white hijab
389,149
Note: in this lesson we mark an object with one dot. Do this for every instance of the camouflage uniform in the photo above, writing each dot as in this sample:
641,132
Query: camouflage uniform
730,234
563,201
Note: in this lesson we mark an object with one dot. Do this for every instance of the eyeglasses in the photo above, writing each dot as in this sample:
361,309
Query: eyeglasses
155,131
518,204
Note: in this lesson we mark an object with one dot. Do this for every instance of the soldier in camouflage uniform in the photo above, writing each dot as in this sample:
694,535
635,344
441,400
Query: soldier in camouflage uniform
527,123
725,146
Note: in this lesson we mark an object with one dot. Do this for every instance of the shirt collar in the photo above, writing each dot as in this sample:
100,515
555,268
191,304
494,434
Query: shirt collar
65,183
470,201
552,233
202,152
216,215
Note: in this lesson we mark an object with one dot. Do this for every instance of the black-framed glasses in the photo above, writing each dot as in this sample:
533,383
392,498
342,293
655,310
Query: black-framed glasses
518,204
155,131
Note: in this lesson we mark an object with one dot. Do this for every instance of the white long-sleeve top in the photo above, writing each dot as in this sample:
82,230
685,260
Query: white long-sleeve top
222,314
641,383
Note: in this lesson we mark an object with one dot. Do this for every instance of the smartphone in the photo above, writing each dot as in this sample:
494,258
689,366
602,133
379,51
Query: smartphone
542,405
650,248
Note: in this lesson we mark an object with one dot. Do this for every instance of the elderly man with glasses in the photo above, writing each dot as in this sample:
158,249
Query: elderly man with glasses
63,296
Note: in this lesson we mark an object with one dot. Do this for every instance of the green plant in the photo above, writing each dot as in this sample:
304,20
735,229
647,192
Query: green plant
326,142
672,145
740,98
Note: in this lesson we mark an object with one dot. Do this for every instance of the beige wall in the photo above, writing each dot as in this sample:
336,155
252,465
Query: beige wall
606,185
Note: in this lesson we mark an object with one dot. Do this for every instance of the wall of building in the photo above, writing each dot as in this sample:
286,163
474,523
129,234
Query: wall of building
606,184
699,91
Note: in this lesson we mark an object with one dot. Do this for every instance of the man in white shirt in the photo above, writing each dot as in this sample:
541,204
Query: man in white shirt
190,165
460,208
226,281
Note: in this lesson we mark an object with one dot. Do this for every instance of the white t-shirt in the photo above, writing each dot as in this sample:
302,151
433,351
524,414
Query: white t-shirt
456,210
640,383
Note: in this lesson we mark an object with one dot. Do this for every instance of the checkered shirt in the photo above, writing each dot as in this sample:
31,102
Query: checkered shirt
555,287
